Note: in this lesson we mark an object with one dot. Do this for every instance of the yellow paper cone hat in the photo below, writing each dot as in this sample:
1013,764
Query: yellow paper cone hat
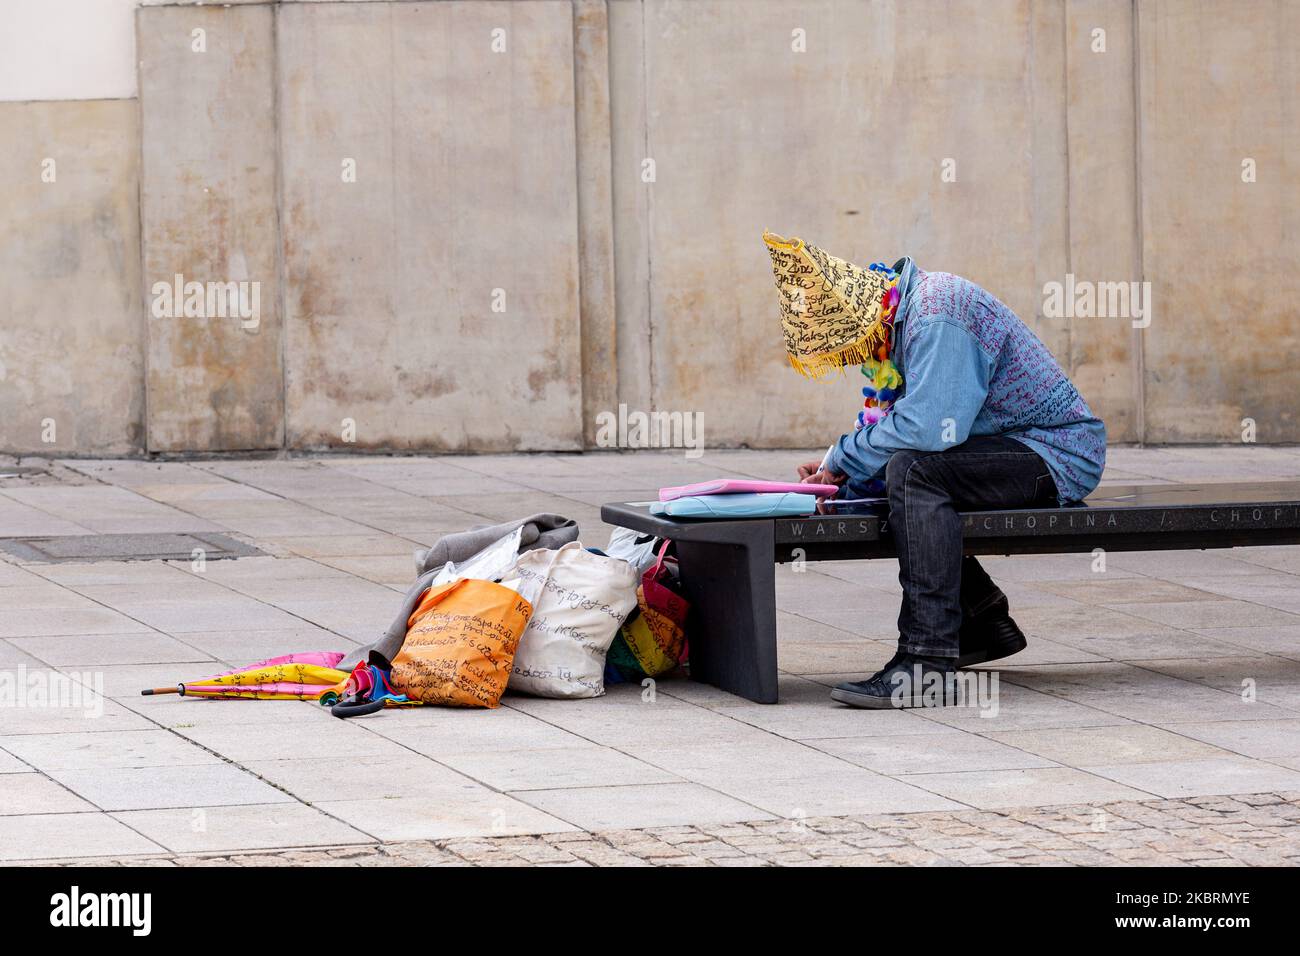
831,311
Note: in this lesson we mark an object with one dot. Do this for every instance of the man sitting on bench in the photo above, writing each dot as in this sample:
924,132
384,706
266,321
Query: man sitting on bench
965,409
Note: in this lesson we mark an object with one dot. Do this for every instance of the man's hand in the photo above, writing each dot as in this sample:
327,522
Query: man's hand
827,477
811,473
808,469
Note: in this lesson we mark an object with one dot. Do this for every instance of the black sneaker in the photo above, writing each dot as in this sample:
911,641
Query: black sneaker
989,636
987,631
906,681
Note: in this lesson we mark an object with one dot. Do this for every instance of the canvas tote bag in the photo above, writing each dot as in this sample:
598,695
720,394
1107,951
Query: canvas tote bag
581,599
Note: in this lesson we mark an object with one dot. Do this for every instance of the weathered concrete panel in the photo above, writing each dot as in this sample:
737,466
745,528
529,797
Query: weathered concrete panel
1103,205
71,327
1218,87
465,197
599,332
631,200
844,145
1050,167
209,214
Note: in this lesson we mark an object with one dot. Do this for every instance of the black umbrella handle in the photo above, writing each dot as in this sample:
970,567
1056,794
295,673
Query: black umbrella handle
348,709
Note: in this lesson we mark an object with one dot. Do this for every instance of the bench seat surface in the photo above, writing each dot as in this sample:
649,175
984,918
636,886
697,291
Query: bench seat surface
1123,517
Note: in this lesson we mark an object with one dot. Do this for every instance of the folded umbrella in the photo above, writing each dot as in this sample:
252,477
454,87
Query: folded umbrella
303,676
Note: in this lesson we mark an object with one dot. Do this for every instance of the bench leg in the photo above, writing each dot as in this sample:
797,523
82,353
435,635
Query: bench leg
732,630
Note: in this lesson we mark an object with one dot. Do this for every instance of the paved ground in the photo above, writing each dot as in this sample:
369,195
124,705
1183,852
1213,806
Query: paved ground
1164,690
1248,830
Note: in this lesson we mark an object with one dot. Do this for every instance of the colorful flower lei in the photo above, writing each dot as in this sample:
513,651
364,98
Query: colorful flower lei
883,376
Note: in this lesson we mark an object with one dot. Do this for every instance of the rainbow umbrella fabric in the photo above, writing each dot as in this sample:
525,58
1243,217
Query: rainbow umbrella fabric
304,676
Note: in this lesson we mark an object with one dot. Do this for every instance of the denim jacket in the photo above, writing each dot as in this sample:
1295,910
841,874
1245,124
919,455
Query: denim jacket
971,367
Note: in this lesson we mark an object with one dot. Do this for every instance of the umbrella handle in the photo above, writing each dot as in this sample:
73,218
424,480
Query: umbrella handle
178,689
353,709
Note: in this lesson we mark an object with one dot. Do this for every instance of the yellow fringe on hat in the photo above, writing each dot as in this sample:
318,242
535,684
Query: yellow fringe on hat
828,363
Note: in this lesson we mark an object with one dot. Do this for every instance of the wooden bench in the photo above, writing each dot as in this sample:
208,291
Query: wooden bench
728,567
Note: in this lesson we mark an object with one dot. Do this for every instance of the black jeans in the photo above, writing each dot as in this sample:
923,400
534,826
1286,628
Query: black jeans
926,489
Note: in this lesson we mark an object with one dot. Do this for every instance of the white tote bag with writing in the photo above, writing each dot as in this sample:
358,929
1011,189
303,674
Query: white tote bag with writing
579,601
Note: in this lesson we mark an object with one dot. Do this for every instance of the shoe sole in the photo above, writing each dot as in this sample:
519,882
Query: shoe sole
864,701
994,652
868,702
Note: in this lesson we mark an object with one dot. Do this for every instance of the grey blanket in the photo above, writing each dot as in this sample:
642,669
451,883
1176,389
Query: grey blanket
539,531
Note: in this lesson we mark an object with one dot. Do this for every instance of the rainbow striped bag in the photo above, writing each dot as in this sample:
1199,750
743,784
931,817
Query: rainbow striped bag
652,641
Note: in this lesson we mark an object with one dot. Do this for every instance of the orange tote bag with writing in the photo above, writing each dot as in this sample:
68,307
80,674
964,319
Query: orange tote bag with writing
460,644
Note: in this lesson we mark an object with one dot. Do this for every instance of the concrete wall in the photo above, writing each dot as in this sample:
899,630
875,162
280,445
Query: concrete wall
1100,211
434,301
71,315
502,266
1222,254
843,145
208,207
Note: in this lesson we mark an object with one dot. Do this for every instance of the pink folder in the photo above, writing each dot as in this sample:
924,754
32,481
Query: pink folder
735,486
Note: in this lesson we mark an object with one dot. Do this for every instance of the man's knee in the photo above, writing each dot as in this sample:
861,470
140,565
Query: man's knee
896,468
